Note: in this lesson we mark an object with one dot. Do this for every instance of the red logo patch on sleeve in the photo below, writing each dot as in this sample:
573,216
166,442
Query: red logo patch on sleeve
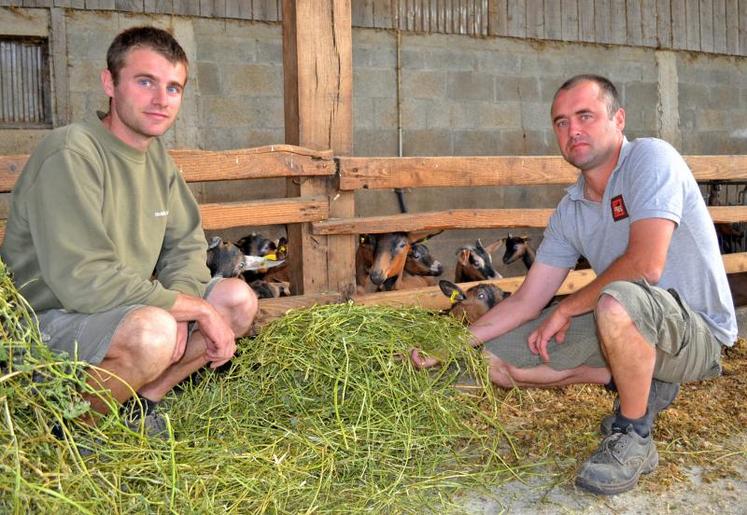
619,211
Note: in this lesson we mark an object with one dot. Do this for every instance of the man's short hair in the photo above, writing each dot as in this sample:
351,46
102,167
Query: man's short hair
152,38
608,90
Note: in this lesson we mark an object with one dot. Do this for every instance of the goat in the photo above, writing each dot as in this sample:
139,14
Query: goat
224,258
256,245
518,247
474,262
270,289
475,302
388,255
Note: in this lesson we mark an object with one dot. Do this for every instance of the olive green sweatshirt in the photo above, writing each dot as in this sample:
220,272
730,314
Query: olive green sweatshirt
92,220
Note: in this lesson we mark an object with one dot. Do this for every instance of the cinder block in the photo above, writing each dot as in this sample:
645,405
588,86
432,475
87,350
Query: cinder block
375,142
374,82
470,86
226,50
226,112
475,143
253,80
424,84
209,26
85,76
486,115
363,112
385,113
536,116
415,113
209,78
524,89
270,51
427,143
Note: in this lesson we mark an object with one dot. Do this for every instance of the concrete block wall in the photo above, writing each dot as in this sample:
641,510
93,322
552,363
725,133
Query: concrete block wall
459,96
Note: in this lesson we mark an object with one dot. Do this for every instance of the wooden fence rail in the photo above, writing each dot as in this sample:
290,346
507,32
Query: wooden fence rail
356,173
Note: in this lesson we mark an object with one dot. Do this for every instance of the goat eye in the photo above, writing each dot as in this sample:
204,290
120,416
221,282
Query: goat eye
481,296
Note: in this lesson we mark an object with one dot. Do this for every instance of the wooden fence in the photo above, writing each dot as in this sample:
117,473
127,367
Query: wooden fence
353,173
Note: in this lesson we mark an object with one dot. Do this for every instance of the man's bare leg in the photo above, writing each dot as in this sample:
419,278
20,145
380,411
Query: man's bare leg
630,356
237,304
507,376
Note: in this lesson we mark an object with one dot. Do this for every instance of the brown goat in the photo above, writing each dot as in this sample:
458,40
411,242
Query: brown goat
475,302
474,262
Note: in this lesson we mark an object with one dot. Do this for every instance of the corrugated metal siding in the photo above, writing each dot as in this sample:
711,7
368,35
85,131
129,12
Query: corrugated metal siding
24,83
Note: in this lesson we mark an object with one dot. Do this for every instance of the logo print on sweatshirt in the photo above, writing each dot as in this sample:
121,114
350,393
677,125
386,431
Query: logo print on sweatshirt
161,213
619,211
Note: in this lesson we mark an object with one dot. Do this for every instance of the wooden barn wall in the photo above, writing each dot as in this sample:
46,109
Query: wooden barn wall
717,26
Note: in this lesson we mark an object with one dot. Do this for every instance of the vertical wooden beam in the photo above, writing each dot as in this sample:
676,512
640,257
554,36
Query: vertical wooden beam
318,80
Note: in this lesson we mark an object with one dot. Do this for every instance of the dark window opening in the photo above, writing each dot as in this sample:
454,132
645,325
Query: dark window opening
25,92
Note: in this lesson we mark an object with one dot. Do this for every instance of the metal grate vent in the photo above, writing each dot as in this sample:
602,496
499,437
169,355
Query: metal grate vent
24,83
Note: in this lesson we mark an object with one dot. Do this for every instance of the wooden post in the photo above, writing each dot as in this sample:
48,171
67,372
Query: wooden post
318,81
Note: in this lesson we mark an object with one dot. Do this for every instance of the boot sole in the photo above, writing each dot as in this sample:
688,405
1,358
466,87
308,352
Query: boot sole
603,489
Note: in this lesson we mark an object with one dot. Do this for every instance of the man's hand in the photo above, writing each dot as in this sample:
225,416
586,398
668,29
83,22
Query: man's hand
220,340
420,362
555,325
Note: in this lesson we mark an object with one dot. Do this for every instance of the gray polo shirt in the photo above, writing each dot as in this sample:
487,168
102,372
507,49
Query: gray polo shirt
651,180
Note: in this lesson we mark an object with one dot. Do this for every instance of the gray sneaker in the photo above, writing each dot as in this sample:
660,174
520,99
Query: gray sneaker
139,412
660,396
618,463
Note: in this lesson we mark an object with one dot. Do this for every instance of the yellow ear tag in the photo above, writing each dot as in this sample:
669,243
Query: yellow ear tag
283,249
453,297
271,256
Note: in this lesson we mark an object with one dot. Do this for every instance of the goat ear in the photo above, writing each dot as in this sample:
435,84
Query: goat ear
421,236
214,242
495,246
451,290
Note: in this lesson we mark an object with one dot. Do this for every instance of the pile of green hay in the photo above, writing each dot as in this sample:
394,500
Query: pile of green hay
319,413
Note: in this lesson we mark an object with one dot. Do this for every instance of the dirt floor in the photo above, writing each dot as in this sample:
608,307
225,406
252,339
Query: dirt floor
701,439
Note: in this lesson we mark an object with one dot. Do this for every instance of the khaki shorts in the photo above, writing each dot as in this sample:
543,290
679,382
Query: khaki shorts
87,337
686,350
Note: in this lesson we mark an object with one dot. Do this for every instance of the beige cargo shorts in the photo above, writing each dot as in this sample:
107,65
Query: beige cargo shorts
686,350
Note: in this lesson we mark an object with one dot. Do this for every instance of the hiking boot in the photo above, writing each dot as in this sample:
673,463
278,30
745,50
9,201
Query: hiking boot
660,396
618,463
139,412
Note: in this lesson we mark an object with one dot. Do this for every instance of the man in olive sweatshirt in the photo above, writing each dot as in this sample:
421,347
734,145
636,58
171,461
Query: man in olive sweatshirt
99,211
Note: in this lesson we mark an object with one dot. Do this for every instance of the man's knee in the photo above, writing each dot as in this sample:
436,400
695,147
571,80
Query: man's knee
238,301
610,312
146,339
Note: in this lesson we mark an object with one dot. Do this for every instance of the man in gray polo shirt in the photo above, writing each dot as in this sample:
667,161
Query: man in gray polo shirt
659,309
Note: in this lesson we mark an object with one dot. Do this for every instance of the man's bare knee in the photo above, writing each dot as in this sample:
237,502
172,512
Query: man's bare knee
145,339
237,301
610,310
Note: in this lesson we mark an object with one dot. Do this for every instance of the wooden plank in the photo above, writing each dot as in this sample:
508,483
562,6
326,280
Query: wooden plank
633,23
719,26
271,309
407,172
157,6
318,94
536,19
262,162
586,20
498,18
569,20
213,8
187,7
679,24
472,219
553,20
618,22
664,23
517,19
383,15
648,23
266,10
129,5
707,168
732,26
363,13
692,17
742,27
263,212
436,220
602,20
107,5
706,25
735,263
